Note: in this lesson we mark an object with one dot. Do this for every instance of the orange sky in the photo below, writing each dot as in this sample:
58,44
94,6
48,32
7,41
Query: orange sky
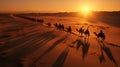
57,5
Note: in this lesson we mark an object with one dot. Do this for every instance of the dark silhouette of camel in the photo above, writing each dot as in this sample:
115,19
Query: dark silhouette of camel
69,29
100,35
56,25
81,30
59,26
87,32
49,24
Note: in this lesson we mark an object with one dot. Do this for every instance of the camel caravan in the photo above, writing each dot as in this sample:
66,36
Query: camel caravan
81,31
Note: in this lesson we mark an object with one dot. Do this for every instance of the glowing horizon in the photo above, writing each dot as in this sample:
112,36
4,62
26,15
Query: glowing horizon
58,5
86,9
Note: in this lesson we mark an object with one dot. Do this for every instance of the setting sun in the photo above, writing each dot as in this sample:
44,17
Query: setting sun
86,10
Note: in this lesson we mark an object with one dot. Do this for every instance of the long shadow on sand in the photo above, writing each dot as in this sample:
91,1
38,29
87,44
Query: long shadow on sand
49,49
84,43
61,59
79,42
85,47
112,44
14,57
107,51
19,41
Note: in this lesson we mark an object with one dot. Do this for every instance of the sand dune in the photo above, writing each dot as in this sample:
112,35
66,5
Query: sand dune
25,43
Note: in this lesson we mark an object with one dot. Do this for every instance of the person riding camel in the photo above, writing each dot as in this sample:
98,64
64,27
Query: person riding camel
81,30
101,34
87,32
69,29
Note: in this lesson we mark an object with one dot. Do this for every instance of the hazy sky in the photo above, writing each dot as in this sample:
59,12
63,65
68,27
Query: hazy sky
57,5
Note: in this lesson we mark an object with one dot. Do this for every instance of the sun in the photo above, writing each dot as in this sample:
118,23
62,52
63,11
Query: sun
86,10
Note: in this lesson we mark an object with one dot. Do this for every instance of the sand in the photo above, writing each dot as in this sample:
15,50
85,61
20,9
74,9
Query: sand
25,43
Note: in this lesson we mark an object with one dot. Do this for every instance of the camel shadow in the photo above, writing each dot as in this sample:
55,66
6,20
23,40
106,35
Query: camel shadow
56,43
14,58
83,43
75,44
61,59
85,47
107,51
114,45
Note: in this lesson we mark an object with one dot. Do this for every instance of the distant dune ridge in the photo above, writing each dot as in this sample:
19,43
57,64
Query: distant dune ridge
111,18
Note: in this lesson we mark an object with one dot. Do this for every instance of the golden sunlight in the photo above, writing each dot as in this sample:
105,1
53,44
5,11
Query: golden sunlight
86,10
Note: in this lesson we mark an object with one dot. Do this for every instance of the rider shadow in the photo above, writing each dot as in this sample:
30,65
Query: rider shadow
84,43
85,47
107,51
114,45
76,44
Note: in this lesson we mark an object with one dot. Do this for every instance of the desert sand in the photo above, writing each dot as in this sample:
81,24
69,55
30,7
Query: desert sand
26,43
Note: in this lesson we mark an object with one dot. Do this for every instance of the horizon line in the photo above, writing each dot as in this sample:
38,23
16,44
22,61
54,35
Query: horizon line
55,11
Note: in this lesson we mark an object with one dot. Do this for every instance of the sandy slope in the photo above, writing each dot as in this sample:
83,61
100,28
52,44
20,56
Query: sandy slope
24,43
